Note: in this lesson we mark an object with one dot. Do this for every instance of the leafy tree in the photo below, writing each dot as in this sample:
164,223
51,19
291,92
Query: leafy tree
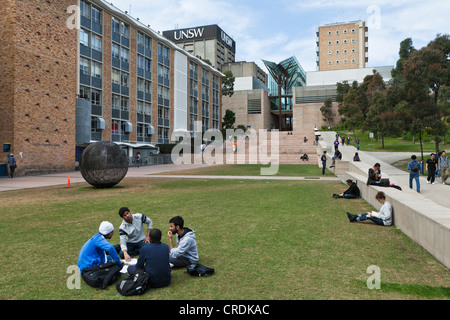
327,111
229,119
228,84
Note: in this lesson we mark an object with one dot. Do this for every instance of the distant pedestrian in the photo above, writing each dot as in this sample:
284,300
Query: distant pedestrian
12,165
356,157
431,168
336,144
324,162
348,140
414,168
443,166
357,143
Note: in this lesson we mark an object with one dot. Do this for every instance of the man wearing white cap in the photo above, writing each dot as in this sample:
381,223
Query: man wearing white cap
94,252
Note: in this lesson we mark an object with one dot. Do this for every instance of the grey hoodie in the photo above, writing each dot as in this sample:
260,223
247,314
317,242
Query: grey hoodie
186,246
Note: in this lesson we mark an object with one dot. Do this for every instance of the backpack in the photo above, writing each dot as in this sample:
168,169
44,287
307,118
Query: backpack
101,276
197,269
415,166
135,284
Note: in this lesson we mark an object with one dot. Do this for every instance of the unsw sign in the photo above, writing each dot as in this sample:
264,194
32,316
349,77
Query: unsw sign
197,33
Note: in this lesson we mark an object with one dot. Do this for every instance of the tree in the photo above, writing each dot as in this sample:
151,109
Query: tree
426,71
327,111
406,48
228,84
229,119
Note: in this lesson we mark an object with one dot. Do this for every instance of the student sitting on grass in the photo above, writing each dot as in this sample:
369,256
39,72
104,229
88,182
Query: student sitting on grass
97,250
382,218
186,251
351,193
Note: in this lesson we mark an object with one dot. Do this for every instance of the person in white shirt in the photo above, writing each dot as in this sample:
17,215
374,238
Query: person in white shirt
131,231
382,218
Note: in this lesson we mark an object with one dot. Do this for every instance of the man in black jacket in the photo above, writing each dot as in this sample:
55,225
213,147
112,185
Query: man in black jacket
351,193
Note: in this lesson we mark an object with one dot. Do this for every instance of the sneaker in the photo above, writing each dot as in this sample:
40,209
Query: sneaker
351,217
428,181
433,183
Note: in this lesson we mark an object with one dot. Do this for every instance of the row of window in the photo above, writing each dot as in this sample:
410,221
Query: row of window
338,62
345,41
338,32
338,52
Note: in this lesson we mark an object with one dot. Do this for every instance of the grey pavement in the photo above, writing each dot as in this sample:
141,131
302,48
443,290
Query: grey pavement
438,192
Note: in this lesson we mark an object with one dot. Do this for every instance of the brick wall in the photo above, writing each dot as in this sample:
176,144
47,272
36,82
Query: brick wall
43,66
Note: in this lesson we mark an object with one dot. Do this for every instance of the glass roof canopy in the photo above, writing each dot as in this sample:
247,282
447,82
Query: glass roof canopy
288,73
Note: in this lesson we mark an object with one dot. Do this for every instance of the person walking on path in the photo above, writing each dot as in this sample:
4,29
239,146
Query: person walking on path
414,168
443,166
431,168
12,165
324,162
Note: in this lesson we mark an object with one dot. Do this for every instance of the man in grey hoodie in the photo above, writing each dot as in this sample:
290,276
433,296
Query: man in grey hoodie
443,165
186,251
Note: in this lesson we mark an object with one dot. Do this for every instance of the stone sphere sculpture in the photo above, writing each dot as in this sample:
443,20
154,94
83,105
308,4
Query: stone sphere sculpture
103,164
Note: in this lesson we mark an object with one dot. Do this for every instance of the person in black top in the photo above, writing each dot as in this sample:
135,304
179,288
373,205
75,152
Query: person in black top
431,168
351,193
154,259
374,174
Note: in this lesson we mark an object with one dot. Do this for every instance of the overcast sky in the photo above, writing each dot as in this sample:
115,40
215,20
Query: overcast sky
278,29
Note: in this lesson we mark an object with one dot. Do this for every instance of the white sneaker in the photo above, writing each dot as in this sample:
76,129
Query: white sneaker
428,181
434,183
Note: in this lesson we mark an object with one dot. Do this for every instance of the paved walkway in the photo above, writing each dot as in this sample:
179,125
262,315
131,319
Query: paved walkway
438,192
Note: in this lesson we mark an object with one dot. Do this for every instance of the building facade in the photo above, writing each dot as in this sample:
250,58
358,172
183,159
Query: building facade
77,72
342,46
207,42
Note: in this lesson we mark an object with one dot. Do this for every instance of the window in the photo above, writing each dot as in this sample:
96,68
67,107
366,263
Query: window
84,37
96,43
337,41
115,25
329,63
124,103
345,31
115,76
140,62
148,43
345,51
148,64
353,60
337,31
140,39
115,101
84,9
353,40
124,80
115,126
329,33
96,16
329,43
345,41
337,51
84,66
124,30
345,61
337,61
96,97
115,51
124,54
329,53
96,69
353,30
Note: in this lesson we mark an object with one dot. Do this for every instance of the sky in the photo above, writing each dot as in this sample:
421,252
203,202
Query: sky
278,29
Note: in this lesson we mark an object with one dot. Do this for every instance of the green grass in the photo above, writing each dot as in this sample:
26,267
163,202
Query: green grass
266,240
392,143
284,170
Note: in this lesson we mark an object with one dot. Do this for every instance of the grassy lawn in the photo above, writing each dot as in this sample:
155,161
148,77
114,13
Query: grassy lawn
283,240
393,144
284,170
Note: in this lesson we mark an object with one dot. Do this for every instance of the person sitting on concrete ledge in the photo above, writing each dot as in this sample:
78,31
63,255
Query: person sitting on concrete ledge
351,193
382,218
304,157
374,175
337,156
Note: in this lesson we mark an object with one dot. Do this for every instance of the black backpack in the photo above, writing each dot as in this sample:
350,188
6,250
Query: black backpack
135,284
197,269
101,276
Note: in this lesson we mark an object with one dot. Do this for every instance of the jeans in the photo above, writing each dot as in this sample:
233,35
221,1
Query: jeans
363,217
414,175
133,249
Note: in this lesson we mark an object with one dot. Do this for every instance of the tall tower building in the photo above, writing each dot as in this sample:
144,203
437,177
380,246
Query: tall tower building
342,46
207,42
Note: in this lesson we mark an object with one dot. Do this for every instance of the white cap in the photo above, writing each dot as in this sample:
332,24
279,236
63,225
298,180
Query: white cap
105,227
